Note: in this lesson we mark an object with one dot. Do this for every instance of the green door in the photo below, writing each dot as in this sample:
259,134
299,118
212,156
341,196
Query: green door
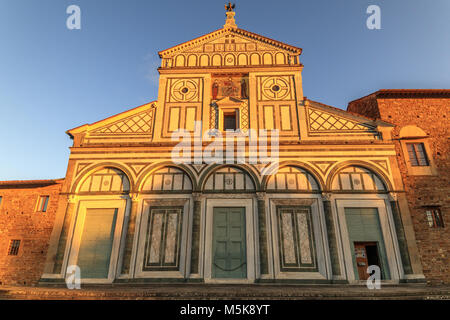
363,225
96,243
229,243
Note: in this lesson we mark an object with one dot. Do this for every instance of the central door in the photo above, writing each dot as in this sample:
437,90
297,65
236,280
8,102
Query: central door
229,243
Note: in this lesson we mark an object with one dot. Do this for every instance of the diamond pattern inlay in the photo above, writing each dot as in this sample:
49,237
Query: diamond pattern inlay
322,121
139,123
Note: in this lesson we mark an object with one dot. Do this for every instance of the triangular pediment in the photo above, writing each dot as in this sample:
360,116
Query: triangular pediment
323,118
135,121
230,40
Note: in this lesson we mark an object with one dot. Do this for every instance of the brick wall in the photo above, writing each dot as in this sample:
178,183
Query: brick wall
19,220
431,114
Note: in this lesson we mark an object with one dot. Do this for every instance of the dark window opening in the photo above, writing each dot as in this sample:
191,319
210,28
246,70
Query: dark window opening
417,154
434,217
13,249
42,203
230,121
372,255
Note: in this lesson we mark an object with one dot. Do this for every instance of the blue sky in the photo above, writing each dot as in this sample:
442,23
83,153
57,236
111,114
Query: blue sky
53,79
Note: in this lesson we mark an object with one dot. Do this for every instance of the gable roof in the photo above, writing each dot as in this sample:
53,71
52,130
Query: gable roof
406,93
31,183
345,113
223,31
111,119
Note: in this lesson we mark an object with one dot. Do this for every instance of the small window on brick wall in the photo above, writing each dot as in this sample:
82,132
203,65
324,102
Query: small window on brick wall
1,199
42,203
434,217
417,154
13,249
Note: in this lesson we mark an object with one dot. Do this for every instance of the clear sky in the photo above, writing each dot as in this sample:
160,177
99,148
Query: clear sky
53,79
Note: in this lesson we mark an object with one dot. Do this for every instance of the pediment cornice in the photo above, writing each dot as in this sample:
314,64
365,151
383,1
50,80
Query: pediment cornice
241,33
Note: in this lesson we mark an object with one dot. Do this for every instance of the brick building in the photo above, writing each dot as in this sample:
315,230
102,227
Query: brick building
421,119
335,196
27,215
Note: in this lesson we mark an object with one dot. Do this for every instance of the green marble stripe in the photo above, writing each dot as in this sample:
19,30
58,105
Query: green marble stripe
195,237
332,243
59,258
262,237
404,253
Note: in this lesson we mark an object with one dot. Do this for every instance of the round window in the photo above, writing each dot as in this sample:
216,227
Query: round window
185,90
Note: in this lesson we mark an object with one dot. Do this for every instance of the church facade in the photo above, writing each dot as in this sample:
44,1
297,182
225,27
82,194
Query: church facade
233,176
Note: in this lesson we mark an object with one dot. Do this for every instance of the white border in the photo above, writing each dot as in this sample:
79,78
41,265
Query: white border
387,227
320,236
250,221
141,234
77,225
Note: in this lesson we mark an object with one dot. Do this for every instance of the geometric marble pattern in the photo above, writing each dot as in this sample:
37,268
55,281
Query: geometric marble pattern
167,179
214,116
323,121
355,178
243,110
381,163
138,123
162,248
296,241
106,180
229,179
323,166
292,179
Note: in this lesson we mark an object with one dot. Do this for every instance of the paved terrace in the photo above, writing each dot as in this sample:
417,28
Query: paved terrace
210,291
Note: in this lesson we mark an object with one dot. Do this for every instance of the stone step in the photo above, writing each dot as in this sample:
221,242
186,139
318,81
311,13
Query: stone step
205,292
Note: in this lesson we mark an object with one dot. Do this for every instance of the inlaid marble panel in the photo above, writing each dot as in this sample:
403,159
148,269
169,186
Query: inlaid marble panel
169,255
156,238
288,238
305,251
163,239
296,240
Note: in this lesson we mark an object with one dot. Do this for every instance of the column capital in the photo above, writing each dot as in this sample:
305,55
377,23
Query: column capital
198,196
326,196
71,198
134,197
393,196
261,195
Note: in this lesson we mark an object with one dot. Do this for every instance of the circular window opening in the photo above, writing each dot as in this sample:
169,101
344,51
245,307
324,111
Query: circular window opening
276,88
184,90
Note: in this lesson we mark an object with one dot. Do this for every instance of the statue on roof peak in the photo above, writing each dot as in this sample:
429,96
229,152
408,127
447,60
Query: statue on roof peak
230,22
229,7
